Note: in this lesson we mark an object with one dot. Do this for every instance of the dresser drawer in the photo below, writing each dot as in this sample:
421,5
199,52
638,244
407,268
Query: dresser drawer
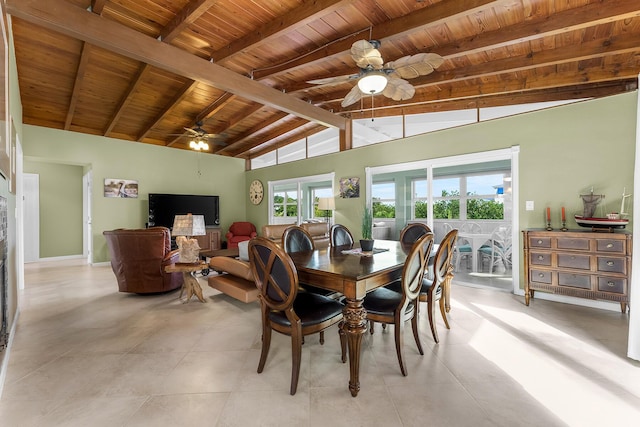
574,280
573,244
612,284
540,242
610,245
540,276
582,262
540,258
612,265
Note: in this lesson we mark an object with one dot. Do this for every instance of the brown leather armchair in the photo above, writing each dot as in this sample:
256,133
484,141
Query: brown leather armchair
138,258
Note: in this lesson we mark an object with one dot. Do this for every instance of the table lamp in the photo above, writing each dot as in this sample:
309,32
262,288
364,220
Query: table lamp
326,204
184,227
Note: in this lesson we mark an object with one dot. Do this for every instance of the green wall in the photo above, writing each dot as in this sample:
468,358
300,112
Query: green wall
60,193
563,151
157,169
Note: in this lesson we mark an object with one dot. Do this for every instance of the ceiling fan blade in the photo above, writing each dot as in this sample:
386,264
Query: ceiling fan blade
412,66
192,131
399,89
332,80
365,54
354,95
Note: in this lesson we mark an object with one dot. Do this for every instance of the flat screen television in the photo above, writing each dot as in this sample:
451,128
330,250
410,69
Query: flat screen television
164,207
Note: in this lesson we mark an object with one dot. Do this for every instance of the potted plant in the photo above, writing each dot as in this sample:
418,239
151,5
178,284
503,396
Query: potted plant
366,243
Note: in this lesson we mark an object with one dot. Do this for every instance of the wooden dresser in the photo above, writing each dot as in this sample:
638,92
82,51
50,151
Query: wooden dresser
210,241
584,264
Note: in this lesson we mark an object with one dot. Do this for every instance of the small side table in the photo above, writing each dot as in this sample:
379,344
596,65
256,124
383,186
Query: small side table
190,283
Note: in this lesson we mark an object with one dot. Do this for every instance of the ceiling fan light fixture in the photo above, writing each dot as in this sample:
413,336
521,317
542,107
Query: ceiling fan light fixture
199,144
373,83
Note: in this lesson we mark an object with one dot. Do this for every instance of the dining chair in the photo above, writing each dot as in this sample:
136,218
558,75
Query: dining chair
339,235
463,248
412,232
297,239
499,249
387,306
284,309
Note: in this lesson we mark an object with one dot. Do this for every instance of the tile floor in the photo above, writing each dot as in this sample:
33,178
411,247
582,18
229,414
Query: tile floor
85,355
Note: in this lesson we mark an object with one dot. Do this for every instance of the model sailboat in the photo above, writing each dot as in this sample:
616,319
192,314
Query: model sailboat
611,221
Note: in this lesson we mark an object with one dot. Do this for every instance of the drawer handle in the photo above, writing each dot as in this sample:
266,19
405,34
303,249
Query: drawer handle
541,275
610,263
610,284
609,245
540,257
539,242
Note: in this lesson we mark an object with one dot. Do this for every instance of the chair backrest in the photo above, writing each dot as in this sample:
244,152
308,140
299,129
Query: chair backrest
415,268
138,257
297,239
412,232
340,236
274,273
471,227
242,228
443,258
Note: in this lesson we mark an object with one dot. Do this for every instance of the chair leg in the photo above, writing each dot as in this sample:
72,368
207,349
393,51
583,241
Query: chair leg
321,337
371,323
432,322
343,341
444,313
266,343
414,327
399,338
296,357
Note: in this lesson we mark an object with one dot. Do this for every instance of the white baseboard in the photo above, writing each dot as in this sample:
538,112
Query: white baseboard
584,302
60,258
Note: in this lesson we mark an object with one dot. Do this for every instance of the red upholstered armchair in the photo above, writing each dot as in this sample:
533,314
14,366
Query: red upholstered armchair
239,232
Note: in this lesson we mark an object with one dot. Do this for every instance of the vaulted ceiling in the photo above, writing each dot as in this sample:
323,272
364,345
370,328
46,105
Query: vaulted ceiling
143,70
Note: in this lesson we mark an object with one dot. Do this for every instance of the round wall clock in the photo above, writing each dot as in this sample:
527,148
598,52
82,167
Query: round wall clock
256,192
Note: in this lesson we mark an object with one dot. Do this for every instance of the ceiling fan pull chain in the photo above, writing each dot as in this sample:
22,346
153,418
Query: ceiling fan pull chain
372,107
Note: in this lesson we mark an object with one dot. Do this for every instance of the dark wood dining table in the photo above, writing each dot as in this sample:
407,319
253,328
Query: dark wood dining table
352,275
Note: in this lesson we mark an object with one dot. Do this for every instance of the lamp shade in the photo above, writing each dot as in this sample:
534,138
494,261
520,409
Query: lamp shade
326,203
373,82
188,225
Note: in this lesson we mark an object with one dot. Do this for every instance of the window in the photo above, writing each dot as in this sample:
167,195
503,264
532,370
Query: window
446,198
419,198
285,203
296,200
384,199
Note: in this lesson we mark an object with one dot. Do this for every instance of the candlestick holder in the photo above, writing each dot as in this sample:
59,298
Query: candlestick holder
549,226
564,226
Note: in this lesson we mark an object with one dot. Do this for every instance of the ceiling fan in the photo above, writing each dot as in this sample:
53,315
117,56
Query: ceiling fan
199,137
377,77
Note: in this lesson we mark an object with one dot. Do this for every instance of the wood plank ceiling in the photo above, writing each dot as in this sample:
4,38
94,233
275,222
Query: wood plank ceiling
143,70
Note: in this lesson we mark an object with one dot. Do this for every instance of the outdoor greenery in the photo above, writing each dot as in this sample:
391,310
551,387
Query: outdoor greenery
278,206
446,209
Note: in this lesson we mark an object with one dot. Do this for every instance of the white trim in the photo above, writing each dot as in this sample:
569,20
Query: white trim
60,258
633,343
4,363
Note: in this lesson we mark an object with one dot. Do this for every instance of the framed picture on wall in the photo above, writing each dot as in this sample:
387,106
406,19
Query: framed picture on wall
124,188
349,187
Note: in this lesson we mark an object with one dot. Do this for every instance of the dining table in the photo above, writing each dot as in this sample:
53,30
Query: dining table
353,273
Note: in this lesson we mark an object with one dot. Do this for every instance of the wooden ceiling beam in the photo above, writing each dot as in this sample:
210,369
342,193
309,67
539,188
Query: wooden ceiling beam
192,11
298,17
562,22
549,58
126,98
239,150
433,15
250,133
97,6
77,84
186,89
63,17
